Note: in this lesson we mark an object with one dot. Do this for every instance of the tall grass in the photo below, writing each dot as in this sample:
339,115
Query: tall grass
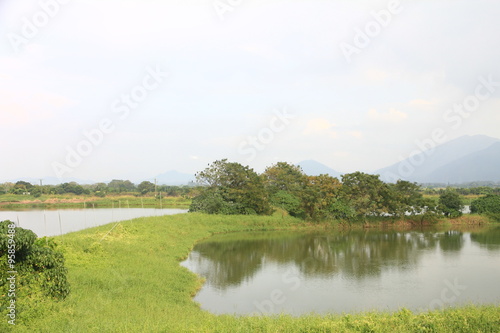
132,282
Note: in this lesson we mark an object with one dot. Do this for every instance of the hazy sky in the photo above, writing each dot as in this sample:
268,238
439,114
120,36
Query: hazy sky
130,89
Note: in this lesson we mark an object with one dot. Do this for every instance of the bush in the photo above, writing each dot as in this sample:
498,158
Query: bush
39,266
487,204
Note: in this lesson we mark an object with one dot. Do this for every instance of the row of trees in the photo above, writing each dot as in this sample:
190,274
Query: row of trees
231,188
99,189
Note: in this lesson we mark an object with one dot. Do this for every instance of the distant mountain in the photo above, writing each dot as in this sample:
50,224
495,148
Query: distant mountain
174,178
314,168
483,165
465,159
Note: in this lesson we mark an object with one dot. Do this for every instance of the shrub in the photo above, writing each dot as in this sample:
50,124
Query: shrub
39,266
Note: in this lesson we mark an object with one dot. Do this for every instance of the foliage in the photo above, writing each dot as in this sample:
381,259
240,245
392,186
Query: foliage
342,210
288,202
39,265
71,188
119,186
487,204
367,194
284,176
231,188
146,187
318,196
450,203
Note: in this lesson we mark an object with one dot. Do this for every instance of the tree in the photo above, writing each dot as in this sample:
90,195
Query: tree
283,176
100,189
231,188
366,193
71,187
146,187
319,194
341,210
288,202
21,187
285,184
404,198
119,186
489,205
450,203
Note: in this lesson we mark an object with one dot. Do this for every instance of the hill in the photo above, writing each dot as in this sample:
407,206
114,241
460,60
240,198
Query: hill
465,159
314,168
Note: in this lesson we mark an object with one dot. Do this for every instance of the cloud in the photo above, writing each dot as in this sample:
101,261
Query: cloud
320,126
392,115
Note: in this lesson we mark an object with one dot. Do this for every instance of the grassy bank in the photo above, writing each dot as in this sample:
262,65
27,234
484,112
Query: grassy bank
132,282
14,202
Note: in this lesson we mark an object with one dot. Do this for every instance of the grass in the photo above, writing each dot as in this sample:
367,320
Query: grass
12,201
132,282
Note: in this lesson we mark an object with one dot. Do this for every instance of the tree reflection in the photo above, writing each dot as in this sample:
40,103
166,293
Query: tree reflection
354,254
451,241
489,239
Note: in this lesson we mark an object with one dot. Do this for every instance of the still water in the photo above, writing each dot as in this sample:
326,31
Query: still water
337,272
56,222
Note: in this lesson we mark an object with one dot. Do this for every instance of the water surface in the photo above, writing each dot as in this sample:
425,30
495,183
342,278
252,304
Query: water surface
61,221
336,272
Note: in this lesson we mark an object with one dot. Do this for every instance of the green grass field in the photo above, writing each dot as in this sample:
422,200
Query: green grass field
12,201
132,282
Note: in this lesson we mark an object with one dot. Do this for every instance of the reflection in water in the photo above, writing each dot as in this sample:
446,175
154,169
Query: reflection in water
489,239
451,241
228,262
345,271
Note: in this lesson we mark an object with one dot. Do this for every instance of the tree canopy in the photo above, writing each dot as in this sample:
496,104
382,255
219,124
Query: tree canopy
231,188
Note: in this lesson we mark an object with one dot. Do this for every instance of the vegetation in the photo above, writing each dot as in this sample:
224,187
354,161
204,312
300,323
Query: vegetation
450,203
231,188
31,271
115,187
53,201
132,282
489,205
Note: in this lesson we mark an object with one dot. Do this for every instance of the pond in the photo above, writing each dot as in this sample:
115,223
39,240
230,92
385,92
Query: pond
61,221
345,272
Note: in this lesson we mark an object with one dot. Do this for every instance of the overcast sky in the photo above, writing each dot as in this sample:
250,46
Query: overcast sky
130,89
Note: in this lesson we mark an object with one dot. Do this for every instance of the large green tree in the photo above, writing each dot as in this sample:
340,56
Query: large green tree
450,203
284,176
231,188
285,185
320,195
365,193
404,198
117,185
146,187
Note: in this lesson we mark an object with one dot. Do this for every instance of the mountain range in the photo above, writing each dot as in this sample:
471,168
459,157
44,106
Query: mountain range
314,168
463,160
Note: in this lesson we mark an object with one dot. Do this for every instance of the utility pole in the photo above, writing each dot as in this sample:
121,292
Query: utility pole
155,188
41,186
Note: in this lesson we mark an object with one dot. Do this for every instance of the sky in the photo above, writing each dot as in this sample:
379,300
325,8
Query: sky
129,89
